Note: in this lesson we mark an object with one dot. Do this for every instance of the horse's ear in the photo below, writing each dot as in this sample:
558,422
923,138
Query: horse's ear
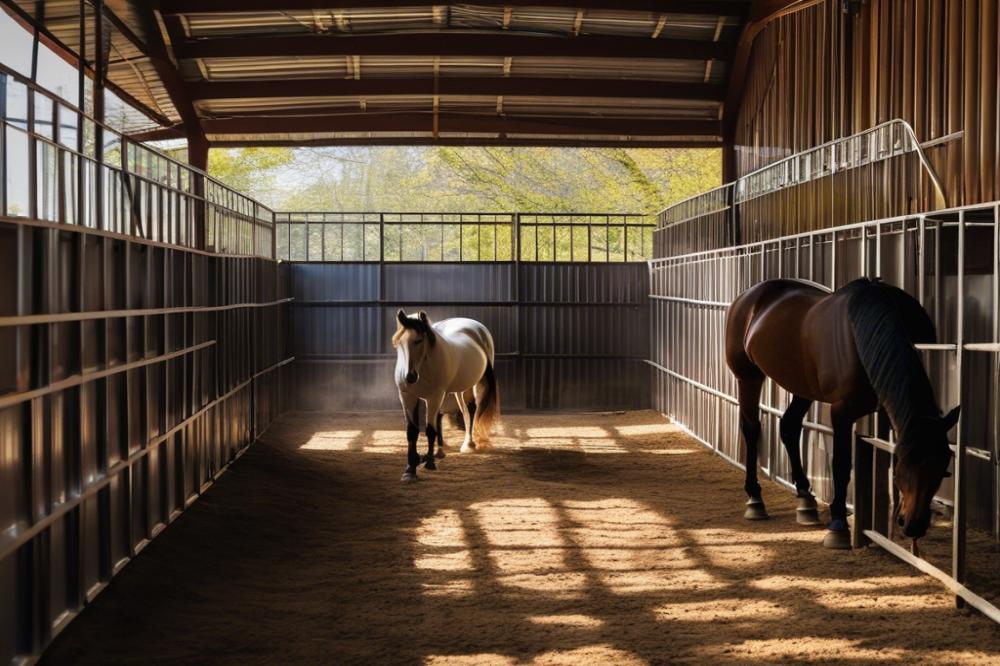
951,418
423,317
401,317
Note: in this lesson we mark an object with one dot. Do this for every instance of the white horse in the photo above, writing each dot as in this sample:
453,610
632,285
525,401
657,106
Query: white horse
432,360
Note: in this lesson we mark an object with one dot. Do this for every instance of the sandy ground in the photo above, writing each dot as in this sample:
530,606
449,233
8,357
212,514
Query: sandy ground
577,539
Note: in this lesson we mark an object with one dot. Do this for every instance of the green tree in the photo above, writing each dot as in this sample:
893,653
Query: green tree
253,171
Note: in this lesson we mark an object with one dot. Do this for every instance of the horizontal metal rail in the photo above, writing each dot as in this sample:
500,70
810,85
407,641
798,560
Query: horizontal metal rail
970,597
62,317
72,381
462,237
466,304
21,537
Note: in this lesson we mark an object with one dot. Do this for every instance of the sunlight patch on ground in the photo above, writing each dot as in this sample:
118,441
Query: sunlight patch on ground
459,560
567,620
584,445
336,440
554,584
714,536
443,530
632,548
805,649
528,551
590,654
873,585
567,431
720,610
530,523
647,429
458,587
368,441
738,555
884,602
669,452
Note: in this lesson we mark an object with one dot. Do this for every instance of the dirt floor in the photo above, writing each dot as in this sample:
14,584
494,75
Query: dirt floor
576,539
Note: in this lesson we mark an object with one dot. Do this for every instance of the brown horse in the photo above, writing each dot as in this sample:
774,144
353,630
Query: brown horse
852,348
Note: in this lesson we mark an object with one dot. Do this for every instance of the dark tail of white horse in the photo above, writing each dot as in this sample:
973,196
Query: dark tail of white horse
488,409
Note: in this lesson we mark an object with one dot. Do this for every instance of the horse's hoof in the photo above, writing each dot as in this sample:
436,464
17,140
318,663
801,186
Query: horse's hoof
838,536
755,510
807,513
439,454
409,477
430,464
468,448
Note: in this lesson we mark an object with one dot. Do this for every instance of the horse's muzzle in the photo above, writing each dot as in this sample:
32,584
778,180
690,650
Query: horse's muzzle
411,377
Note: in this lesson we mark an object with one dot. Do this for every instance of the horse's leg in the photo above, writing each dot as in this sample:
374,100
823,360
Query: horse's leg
749,393
791,433
433,425
440,450
838,535
410,405
467,402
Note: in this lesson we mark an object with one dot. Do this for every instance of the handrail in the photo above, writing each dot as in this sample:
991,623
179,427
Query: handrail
744,190
223,218
744,193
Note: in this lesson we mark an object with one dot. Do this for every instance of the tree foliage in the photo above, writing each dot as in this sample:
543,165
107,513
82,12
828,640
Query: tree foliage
449,179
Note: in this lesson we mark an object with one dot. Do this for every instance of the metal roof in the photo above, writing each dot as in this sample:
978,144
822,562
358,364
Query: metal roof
626,72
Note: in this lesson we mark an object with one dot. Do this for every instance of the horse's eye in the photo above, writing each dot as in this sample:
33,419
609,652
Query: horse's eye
418,341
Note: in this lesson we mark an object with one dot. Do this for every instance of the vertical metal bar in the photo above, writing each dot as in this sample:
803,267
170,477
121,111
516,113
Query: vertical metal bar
921,249
959,519
100,71
878,249
995,357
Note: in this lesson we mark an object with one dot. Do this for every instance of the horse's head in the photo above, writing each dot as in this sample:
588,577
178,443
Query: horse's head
920,469
413,340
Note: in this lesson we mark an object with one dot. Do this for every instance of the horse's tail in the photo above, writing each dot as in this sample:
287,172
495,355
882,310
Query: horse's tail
488,409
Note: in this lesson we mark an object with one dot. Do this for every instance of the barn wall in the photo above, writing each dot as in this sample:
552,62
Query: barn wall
111,424
568,336
817,75
142,349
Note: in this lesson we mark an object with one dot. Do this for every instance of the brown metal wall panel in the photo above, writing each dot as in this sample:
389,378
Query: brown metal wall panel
568,336
817,75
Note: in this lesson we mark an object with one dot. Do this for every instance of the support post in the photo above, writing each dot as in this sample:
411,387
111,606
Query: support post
198,158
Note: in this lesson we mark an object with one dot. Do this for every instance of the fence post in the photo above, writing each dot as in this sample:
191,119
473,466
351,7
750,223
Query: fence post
864,461
734,216
516,251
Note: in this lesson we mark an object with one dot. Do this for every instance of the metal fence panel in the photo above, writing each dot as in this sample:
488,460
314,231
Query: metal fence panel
568,336
947,259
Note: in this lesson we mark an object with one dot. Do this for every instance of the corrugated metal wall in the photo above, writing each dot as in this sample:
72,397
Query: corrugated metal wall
817,75
568,336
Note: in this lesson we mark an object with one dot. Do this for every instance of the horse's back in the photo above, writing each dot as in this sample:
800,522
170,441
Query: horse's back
475,331
764,331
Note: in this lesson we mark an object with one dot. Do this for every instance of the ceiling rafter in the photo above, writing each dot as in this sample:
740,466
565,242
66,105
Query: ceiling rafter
461,122
726,7
451,44
495,86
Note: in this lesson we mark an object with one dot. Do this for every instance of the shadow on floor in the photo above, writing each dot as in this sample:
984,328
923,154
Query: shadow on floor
576,538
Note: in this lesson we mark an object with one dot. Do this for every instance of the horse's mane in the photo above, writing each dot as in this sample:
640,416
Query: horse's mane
887,323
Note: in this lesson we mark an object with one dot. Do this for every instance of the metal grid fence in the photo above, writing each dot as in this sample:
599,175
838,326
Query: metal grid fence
950,261
464,237
60,165
142,326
